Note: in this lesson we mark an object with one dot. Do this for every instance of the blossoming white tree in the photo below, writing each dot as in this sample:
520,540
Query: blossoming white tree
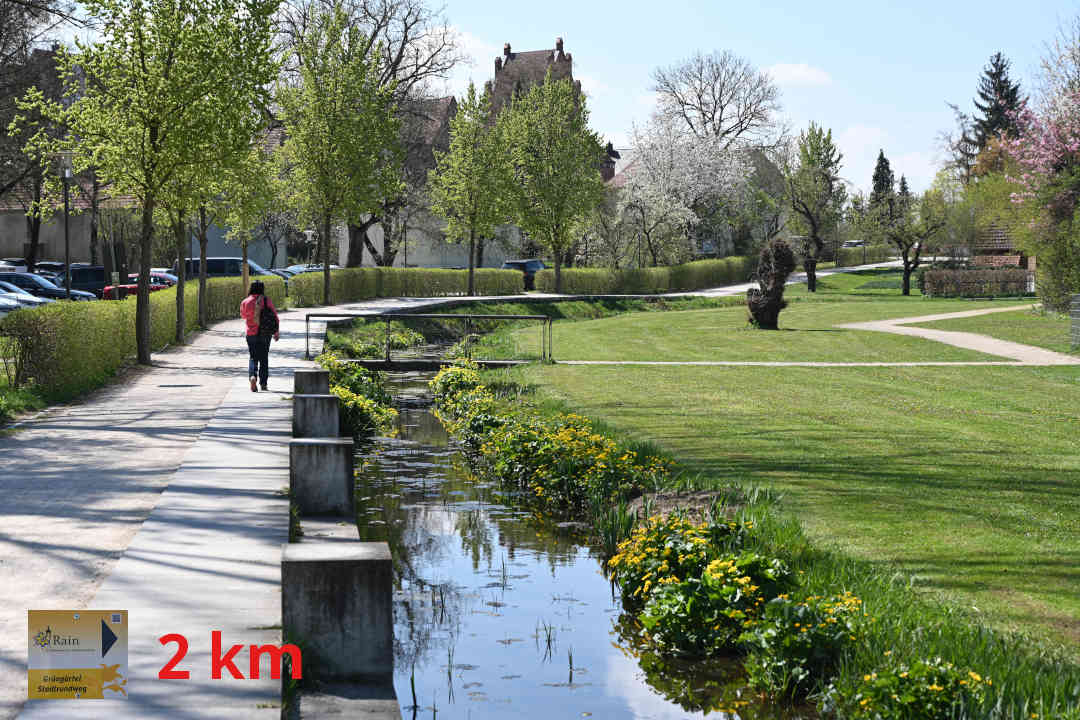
674,177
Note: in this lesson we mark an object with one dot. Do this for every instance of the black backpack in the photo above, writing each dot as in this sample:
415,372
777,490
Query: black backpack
268,322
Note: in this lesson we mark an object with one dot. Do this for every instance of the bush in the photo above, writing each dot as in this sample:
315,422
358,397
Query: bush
799,642
68,348
847,257
352,284
649,281
361,415
925,690
997,282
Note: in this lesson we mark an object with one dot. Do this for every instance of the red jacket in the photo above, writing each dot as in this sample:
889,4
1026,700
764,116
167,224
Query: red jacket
247,311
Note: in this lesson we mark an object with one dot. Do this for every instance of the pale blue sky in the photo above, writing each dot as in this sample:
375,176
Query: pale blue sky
878,74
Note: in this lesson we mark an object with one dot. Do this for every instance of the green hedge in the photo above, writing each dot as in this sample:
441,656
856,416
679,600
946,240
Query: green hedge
847,257
649,281
998,282
68,348
352,284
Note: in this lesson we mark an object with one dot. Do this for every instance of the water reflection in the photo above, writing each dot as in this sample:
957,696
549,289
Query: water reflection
498,616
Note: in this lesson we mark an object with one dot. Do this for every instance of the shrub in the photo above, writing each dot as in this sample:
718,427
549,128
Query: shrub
452,380
925,690
354,378
847,257
68,348
799,642
648,281
361,415
352,284
998,282
704,615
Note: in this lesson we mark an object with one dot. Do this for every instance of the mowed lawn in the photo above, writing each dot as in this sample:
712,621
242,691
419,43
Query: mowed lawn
966,479
1045,330
807,334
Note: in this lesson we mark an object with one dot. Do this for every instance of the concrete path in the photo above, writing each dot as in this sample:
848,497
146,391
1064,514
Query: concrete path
766,363
1021,354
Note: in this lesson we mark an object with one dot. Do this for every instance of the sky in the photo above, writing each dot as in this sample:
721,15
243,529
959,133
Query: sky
878,74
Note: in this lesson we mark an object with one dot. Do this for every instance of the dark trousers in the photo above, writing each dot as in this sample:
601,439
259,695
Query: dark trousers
259,357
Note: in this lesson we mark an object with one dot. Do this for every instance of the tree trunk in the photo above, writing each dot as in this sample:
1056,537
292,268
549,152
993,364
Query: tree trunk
907,281
480,253
810,266
204,320
558,272
472,256
33,234
376,256
95,190
245,280
357,239
181,320
142,305
326,260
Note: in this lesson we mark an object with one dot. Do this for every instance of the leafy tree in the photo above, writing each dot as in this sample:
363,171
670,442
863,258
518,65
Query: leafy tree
775,263
815,193
464,185
914,228
553,163
1000,101
152,94
339,153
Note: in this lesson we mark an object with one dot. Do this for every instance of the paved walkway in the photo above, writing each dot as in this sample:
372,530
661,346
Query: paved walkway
1021,354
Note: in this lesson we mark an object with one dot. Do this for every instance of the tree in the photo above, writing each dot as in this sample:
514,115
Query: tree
721,95
464,185
815,193
775,263
914,227
961,145
155,89
883,180
339,152
410,47
553,164
675,176
1000,101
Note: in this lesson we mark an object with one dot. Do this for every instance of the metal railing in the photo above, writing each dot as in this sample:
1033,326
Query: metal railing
545,327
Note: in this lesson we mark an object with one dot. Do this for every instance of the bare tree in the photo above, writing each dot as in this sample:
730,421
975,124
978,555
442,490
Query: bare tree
1060,65
723,96
960,145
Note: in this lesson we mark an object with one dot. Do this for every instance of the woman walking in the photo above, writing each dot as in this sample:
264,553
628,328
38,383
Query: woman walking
259,331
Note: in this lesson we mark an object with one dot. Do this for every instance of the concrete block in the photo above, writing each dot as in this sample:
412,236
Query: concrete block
316,416
337,602
321,475
311,382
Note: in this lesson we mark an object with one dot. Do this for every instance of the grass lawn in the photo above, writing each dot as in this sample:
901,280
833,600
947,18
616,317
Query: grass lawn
965,479
1045,330
807,333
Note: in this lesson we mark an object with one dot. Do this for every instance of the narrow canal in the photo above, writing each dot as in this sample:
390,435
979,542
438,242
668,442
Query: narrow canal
497,615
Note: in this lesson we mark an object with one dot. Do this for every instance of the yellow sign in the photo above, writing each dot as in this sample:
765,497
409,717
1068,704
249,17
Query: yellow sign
77,654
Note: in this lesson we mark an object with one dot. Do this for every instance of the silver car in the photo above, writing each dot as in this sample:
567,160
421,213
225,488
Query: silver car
22,297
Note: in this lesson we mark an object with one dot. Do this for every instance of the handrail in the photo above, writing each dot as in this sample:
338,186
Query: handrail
546,337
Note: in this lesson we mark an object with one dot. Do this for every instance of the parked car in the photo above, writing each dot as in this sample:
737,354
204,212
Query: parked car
18,263
39,286
529,267
220,267
157,277
90,278
8,306
53,266
16,293
310,267
119,292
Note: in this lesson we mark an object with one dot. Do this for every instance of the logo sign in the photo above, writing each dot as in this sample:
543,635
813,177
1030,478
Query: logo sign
77,654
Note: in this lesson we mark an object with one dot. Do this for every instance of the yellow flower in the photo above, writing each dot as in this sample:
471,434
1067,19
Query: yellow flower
974,676
936,688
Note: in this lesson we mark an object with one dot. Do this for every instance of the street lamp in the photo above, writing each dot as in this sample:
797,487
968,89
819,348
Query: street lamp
309,234
65,177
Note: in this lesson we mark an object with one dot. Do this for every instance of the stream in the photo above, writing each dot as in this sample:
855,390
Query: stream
497,615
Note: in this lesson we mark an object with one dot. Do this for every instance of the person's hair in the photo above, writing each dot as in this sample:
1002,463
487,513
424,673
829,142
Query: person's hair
257,288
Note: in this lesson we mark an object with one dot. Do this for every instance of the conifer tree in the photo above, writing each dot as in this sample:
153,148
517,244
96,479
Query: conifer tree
998,100
883,180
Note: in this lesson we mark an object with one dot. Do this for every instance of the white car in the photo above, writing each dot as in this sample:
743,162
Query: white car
7,306
25,299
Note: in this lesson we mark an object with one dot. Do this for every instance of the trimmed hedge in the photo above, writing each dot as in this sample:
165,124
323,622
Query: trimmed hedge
997,282
68,348
649,281
847,257
352,284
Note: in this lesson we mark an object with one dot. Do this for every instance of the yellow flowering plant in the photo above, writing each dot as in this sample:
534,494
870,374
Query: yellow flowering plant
800,641
923,690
